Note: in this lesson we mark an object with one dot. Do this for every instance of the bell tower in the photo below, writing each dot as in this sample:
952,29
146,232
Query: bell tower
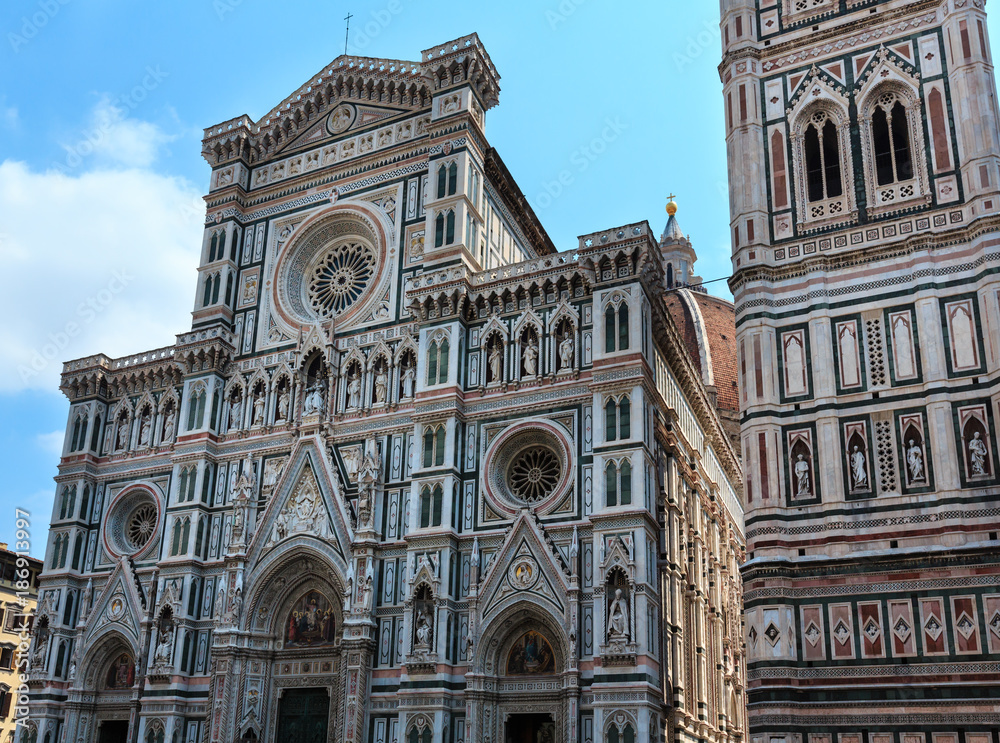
863,151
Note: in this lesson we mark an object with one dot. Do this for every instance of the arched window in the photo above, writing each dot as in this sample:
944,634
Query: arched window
431,506
438,505
610,421
434,441
230,286
198,540
212,247
425,507
428,447
96,436
610,332
68,609
67,502
891,141
822,151
85,504
77,551
625,482
622,327
624,735
196,409
181,534
452,179
439,439
449,237
206,297
215,288
432,363
439,231
79,432
625,418
611,484
670,275
442,176
618,483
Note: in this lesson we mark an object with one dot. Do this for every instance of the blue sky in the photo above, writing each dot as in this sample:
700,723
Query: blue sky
102,107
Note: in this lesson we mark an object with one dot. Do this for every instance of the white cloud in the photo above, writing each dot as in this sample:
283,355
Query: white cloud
38,506
51,443
99,261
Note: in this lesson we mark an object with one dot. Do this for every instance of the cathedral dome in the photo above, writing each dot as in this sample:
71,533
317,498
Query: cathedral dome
708,326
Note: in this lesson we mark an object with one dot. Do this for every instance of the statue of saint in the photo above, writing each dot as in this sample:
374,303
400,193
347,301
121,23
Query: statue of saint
164,648
803,486
282,406
566,352
530,359
618,617
168,428
423,631
354,392
381,385
858,470
235,413
144,431
915,461
409,377
977,455
496,361
258,410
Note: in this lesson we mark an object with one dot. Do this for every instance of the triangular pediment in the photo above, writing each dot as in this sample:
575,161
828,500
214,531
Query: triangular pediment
306,503
345,118
524,567
886,66
818,86
119,604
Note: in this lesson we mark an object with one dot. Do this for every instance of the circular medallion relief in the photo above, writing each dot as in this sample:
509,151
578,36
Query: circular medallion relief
341,118
523,573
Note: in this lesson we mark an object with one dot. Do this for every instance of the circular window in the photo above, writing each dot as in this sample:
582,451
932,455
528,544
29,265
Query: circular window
331,267
340,277
141,525
132,521
534,474
528,465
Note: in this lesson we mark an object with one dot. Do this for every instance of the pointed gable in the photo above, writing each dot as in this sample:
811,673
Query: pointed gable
306,502
525,566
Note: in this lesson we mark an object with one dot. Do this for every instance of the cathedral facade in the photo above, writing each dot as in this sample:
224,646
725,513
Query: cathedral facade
864,169
413,474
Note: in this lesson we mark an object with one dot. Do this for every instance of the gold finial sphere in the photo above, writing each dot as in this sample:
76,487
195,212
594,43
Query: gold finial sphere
671,207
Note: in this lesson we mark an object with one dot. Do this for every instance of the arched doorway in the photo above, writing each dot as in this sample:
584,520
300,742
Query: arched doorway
525,687
110,675
293,692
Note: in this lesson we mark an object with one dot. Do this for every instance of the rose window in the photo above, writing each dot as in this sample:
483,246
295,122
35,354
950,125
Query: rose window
340,277
528,464
141,525
132,523
533,474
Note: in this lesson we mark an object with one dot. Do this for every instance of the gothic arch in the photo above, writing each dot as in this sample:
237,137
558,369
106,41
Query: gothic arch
286,575
500,633
104,648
